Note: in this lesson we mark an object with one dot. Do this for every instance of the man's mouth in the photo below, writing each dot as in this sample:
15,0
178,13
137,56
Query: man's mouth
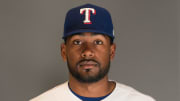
87,64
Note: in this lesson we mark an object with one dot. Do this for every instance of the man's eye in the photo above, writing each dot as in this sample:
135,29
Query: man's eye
98,42
77,42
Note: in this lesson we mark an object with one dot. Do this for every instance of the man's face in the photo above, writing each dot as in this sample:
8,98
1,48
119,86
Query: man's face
88,56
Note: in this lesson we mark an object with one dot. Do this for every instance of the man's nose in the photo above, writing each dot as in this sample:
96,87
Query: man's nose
87,51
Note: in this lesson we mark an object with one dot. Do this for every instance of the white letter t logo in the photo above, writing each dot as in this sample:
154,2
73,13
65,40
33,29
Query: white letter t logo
87,14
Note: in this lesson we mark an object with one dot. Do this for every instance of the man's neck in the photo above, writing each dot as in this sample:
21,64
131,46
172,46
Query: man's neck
96,89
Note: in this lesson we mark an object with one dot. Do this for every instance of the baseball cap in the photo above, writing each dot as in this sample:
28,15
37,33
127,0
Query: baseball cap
88,18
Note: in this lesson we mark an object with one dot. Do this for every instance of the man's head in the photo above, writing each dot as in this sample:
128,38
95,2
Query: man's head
88,47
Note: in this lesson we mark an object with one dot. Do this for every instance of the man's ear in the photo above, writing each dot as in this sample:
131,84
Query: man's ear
112,51
63,51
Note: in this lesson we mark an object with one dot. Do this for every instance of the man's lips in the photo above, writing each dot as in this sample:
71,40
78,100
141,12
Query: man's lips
87,64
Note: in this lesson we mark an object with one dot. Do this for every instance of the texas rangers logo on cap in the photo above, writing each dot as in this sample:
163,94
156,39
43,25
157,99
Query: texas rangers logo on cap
88,18
87,13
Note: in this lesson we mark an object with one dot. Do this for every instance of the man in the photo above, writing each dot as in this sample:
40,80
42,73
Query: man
88,49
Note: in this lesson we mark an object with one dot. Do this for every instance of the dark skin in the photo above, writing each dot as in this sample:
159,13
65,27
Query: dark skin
89,46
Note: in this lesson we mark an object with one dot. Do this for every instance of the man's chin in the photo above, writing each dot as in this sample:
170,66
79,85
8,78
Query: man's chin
89,77
87,74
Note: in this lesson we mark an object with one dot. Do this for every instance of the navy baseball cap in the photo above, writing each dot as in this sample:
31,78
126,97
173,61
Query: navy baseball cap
88,18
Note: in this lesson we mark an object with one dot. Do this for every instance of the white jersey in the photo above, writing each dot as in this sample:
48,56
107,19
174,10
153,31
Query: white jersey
120,93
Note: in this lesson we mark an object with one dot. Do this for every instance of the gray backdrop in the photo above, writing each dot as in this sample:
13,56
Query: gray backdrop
146,35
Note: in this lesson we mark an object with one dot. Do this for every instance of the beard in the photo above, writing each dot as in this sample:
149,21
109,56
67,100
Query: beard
101,73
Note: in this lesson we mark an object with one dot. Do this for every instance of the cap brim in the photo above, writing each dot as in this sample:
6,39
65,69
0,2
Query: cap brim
86,30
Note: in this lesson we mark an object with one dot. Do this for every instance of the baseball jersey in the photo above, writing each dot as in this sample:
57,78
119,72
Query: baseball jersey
120,93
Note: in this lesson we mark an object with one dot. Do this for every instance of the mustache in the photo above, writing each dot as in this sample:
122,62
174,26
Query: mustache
87,60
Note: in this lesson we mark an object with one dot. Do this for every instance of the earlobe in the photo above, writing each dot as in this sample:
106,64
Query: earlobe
112,51
63,51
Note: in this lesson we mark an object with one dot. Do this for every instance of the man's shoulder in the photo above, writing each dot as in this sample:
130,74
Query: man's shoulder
130,94
52,93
